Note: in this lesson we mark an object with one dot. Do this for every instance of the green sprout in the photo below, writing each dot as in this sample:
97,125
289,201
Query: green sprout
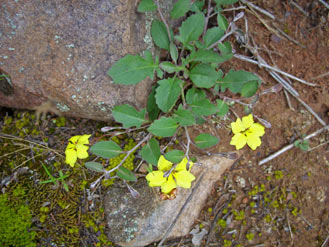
55,180
302,144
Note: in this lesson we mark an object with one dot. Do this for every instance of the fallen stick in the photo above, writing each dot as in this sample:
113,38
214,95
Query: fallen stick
299,8
247,59
284,82
253,6
290,146
324,3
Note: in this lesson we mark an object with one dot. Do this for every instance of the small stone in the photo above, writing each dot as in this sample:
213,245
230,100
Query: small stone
240,181
245,200
275,38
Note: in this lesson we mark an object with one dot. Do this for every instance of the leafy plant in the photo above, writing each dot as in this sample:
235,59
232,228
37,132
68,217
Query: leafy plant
55,180
189,86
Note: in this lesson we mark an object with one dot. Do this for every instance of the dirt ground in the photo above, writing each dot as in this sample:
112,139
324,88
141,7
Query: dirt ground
285,201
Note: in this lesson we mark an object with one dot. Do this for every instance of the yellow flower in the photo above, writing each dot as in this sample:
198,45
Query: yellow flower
247,132
178,177
76,149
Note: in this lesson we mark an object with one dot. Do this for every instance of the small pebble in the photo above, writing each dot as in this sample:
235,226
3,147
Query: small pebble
245,200
241,182
275,38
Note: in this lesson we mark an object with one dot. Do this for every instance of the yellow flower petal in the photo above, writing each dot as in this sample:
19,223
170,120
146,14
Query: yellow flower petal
253,141
237,126
71,157
182,165
163,164
84,139
74,139
247,121
70,146
257,129
169,185
155,178
239,140
184,179
82,151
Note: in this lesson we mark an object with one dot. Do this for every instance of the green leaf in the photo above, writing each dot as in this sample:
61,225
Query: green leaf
170,68
173,52
128,116
234,80
184,117
180,9
167,93
222,22
131,70
249,89
151,152
203,108
164,127
146,5
126,174
222,108
205,56
225,48
195,94
160,35
94,166
159,73
203,75
197,6
175,156
205,141
226,51
302,144
213,35
191,29
225,2
148,56
106,149
152,108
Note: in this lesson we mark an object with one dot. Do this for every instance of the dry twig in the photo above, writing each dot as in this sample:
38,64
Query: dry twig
247,59
324,3
290,146
263,11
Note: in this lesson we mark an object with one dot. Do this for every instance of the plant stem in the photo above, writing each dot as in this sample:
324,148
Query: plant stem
164,20
207,18
129,152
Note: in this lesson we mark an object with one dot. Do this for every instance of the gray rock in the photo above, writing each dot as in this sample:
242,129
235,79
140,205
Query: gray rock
61,50
142,221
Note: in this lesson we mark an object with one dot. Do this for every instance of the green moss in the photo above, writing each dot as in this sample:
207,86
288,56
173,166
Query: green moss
222,223
15,224
250,236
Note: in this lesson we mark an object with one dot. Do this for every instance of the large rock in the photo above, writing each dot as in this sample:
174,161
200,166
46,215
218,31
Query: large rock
60,51
139,222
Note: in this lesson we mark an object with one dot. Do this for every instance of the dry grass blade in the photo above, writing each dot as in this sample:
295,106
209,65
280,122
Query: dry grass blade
15,138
